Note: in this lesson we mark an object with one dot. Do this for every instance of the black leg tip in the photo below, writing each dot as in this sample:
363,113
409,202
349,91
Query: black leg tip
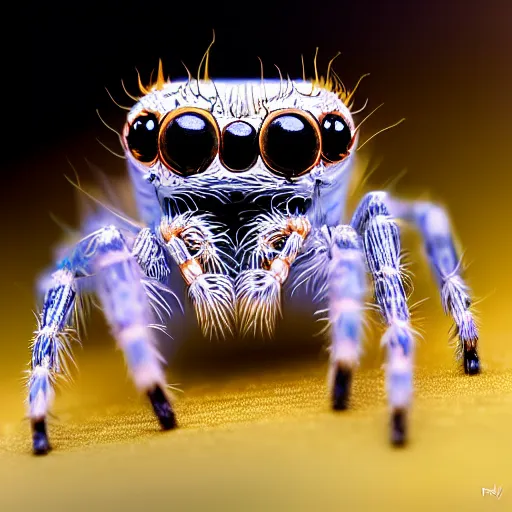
341,389
398,427
40,443
162,408
471,362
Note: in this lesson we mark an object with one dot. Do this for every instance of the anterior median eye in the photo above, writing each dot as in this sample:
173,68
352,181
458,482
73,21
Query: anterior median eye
336,137
239,148
290,142
142,137
189,140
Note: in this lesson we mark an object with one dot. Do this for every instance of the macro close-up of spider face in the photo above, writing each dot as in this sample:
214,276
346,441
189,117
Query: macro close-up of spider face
242,187
255,257
232,139
189,133
225,159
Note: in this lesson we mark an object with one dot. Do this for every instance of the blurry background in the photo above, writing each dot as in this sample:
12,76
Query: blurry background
444,66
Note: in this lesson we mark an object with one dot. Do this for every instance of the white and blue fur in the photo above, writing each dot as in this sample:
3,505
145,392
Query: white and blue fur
128,270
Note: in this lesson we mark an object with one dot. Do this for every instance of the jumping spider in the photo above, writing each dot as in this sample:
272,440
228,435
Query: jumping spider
199,154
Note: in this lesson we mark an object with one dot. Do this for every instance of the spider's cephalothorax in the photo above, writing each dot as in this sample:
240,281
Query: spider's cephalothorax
241,185
257,162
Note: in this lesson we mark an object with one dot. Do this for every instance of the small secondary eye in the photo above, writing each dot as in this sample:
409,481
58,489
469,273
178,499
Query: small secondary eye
336,137
239,148
290,142
142,137
189,140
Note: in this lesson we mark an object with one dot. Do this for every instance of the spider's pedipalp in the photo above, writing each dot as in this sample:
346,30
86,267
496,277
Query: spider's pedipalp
213,298
271,247
258,301
195,247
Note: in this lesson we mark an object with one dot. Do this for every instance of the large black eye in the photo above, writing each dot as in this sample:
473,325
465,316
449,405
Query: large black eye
189,140
290,142
239,148
336,137
142,137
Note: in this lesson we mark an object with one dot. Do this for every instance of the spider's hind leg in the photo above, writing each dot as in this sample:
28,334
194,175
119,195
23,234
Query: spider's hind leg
434,225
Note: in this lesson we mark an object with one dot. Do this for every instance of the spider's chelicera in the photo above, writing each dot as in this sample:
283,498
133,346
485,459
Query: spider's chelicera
241,187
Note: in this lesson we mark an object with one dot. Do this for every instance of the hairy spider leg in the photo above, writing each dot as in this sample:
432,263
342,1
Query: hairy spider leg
150,255
50,346
346,292
381,240
434,226
128,310
118,282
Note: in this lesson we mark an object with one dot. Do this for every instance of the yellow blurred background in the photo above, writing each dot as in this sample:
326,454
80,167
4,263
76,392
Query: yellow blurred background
257,433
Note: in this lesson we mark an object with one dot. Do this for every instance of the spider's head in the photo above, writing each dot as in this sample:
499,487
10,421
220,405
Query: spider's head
269,138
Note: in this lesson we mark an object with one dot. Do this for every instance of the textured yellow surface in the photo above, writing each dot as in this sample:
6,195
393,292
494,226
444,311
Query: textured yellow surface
263,438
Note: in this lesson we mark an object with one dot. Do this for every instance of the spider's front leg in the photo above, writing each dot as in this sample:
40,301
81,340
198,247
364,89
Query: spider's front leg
381,239
49,348
118,282
346,284
434,225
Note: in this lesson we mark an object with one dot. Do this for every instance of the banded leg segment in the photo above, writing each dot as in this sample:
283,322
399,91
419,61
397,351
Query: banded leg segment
49,349
434,226
347,289
381,240
150,255
128,311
